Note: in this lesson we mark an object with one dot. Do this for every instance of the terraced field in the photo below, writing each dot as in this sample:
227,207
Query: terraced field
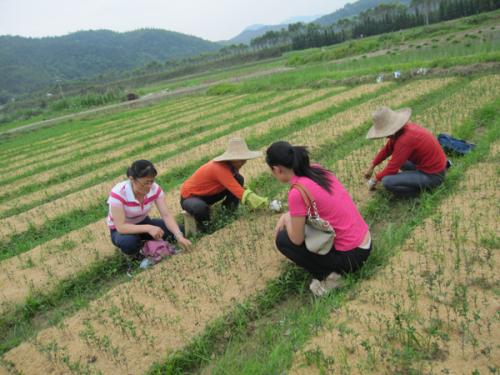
440,309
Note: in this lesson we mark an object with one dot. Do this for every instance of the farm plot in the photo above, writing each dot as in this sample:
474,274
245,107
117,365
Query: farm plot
60,258
157,136
196,288
122,135
83,169
438,118
90,130
195,150
440,312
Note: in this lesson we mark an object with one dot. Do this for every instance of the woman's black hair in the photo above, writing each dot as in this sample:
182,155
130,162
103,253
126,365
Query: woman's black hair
141,168
297,158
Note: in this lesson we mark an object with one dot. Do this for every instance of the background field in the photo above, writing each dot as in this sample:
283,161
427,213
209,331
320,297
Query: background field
426,302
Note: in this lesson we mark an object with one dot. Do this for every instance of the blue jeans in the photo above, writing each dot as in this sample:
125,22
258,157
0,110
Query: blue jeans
131,244
410,182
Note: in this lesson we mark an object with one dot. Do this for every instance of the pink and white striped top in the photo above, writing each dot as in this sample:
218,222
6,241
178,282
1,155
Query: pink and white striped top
122,195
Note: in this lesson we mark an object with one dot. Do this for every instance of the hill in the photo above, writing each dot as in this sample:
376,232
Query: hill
31,63
353,9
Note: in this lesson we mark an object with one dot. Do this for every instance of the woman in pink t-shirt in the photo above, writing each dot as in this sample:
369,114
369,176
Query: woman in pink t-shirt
352,244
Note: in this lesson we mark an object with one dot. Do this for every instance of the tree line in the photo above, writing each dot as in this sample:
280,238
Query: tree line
380,19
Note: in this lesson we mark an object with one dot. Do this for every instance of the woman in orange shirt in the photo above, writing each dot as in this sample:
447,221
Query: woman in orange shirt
218,180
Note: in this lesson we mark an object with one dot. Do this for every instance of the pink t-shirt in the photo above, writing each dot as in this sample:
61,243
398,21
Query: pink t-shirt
336,207
122,195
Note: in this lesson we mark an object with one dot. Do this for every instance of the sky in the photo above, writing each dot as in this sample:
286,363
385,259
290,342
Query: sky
209,19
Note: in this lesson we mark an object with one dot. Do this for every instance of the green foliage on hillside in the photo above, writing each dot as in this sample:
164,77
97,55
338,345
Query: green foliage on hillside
353,9
28,64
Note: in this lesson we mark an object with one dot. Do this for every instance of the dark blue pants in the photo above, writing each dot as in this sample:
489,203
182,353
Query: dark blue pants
199,207
131,244
410,182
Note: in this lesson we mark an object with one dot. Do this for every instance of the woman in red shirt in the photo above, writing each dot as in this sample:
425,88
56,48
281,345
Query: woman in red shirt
413,149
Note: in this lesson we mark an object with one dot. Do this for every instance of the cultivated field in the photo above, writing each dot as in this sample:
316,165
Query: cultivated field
426,303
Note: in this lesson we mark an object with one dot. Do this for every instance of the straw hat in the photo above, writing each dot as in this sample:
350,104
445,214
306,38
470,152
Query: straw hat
237,149
386,122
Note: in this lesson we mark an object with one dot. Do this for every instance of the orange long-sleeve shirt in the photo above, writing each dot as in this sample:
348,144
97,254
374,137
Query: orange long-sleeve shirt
210,179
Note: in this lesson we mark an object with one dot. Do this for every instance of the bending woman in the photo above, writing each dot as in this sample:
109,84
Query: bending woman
129,204
352,244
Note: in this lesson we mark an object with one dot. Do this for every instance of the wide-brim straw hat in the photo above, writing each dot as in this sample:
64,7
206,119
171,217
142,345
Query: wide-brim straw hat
237,149
386,122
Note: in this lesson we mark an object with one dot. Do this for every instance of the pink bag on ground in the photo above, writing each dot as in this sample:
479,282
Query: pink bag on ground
157,250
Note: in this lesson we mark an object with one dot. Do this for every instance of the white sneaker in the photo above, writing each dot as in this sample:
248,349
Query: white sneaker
317,288
320,288
333,281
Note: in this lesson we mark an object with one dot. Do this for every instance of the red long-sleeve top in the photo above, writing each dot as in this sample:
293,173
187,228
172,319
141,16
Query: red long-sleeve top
415,144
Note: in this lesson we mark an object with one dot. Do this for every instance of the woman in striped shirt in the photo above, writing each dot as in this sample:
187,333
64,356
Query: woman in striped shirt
130,202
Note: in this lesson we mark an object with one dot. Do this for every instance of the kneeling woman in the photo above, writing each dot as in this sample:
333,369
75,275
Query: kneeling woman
129,204
352,243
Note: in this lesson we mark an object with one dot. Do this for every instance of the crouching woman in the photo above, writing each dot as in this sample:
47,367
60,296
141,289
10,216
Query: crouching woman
130,202
352,244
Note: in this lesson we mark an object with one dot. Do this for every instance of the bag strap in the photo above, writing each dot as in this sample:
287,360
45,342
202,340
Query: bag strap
308,199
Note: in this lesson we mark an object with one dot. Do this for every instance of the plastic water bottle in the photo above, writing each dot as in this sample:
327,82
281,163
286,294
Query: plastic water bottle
276,205
146,263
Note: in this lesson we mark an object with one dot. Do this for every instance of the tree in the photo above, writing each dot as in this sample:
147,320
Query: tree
426,6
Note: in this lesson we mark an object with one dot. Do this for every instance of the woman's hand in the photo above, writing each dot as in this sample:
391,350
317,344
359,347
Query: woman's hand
281,224
184,242
369,172
155,232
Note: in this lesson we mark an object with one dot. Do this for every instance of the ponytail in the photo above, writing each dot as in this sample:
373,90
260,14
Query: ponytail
297,158
141,168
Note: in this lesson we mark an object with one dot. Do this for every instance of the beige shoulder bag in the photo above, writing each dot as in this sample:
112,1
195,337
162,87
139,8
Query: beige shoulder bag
319,234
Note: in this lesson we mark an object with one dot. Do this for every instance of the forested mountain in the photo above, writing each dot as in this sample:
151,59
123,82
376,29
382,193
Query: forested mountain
28,64
353,9
254,31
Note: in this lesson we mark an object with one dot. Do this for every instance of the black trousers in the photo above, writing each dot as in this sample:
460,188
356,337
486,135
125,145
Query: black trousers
410,182
199,206
320,266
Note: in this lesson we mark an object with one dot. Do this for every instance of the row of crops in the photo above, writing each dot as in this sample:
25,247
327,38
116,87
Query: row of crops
52,204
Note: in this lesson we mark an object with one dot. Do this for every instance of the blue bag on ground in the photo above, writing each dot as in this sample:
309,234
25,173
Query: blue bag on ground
453,145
